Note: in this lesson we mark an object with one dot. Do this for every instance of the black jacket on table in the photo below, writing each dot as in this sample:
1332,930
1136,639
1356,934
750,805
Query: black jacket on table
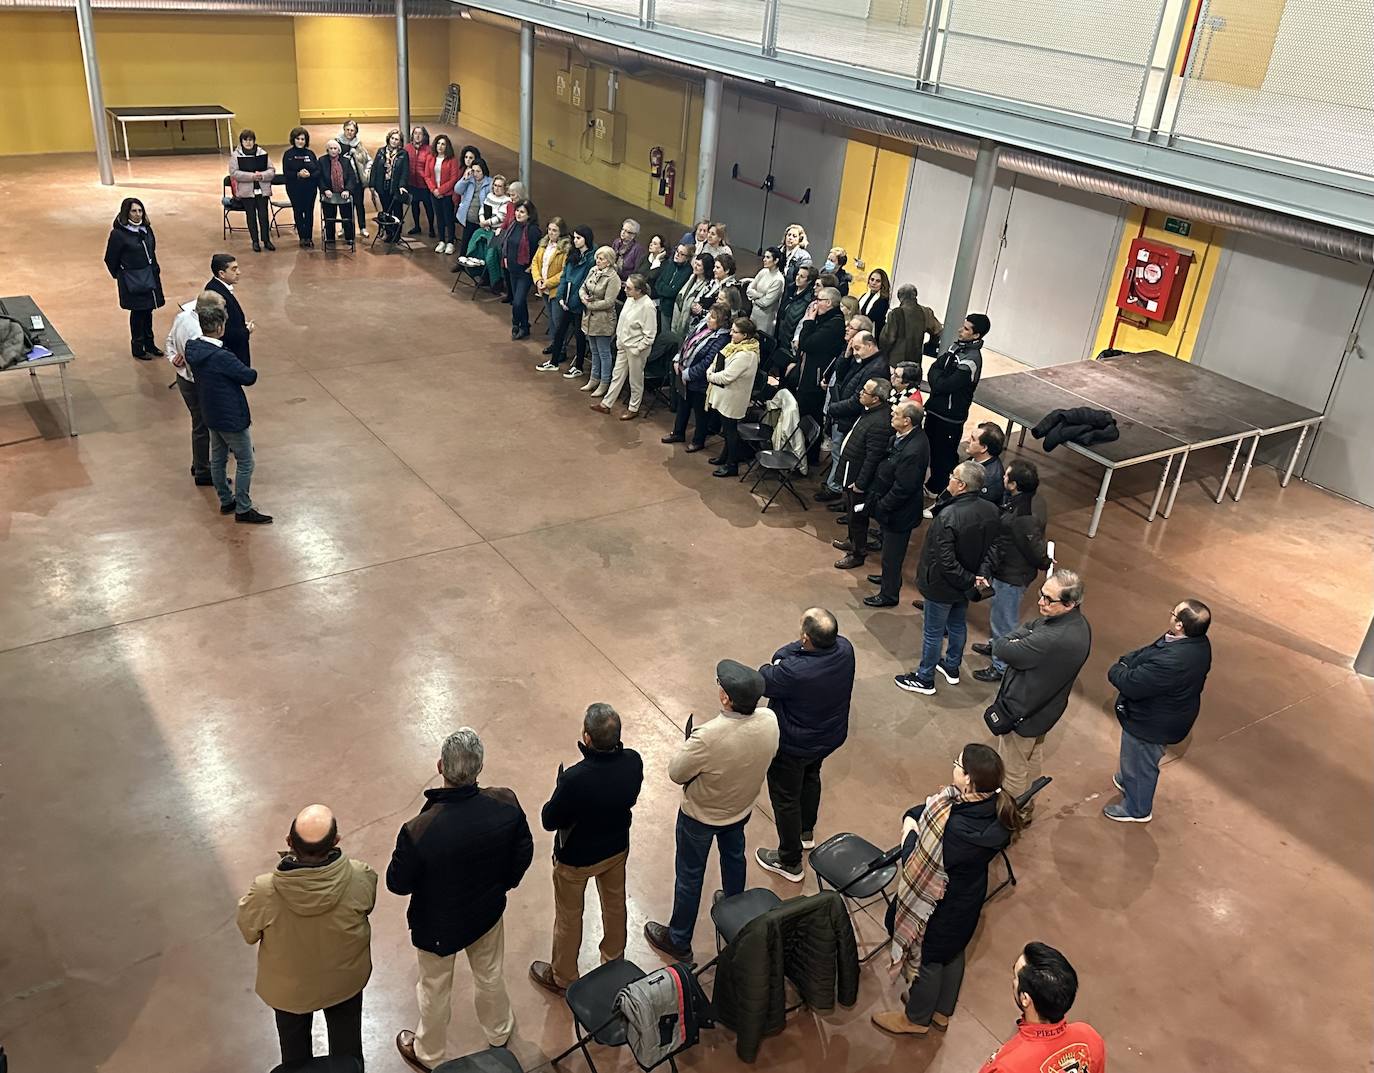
953,377
1160,688
456,860
850,378
865,446
1019,552
808,940
591,807
809,690
961,531
897,494
294,161
1043,658
236,337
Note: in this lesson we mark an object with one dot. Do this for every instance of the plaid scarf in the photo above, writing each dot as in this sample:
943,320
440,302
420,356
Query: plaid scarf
922,882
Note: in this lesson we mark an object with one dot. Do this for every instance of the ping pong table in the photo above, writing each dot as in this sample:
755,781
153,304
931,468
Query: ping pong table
1164,408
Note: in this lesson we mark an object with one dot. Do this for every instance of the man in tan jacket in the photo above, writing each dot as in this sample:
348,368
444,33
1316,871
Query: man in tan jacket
721,768
309,919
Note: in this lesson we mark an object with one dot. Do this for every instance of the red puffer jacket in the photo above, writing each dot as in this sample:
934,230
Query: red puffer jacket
448,177
421,162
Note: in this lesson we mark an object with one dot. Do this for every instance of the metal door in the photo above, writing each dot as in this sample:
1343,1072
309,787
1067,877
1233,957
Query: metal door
1052,272
1342,457
744,151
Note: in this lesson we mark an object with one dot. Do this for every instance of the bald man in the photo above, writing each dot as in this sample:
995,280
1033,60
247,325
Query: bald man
309,918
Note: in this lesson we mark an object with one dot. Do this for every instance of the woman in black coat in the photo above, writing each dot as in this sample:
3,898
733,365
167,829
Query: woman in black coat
391,179
978,819
131,257
301,168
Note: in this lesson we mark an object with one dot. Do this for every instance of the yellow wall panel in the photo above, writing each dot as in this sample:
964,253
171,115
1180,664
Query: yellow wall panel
347,67
872,192
1239,53
42,85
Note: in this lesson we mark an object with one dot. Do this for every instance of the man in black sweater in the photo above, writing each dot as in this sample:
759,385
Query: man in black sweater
808,685
863,449
590,811
954,377
457,860
1043,658
897,502
1159,694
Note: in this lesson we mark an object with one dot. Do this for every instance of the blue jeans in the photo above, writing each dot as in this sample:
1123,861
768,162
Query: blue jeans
1004,614
555,317
693,848
240,445
832,480
520,284
1139,773
941,621
603,357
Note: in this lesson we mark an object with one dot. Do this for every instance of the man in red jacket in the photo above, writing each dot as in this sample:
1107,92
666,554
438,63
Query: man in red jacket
1044,986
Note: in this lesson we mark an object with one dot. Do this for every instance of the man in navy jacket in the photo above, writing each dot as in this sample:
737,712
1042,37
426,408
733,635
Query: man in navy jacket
808,685
1159,694
220,380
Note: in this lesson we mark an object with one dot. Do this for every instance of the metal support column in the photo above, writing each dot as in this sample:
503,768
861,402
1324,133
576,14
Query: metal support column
1364,659
1166,83
970,240
402,73
526,104
85,25
706,152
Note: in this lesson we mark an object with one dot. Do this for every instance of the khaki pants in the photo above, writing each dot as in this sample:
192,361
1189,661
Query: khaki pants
569,893
434,992
1021,759
628,363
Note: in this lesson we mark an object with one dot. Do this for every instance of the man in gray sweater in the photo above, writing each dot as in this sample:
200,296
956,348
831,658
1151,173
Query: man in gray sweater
721,768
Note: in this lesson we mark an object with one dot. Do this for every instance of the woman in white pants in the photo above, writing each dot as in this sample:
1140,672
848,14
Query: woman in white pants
634,338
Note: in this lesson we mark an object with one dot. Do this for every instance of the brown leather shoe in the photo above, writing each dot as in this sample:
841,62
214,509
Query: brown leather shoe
895,1021
405,1043
629,415
541,972
940,1021
596,407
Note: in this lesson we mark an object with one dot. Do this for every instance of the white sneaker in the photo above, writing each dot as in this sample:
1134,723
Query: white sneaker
439,248
546,367
362,232
927,514
952,679
448,247
572,374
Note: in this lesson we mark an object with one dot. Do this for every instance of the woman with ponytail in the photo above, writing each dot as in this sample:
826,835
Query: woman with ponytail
948,843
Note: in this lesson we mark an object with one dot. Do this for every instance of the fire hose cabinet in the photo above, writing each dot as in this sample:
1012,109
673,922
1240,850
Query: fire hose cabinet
1153,281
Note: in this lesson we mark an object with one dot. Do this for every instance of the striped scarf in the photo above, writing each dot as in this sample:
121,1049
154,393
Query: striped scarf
922,882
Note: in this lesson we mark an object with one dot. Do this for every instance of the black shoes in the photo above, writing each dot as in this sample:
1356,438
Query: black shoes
983,649
838,508
875,579
252,517
842,545
203,481
547,350
226,508
825,495
719,460
257,247
883,601
849,562
987,674
415,230
725,471
673,437
268,243
657,936
520,333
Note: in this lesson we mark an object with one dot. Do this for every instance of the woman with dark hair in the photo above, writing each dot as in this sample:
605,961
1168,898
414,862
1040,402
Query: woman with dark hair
301,167
656,255
472,192
441,179
131,258
875,301
765,291
696,356
948,843
567,297
687,301
252,174
518,243
390,178
420,165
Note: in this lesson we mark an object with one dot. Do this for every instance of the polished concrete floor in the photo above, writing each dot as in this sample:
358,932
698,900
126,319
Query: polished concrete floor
458,540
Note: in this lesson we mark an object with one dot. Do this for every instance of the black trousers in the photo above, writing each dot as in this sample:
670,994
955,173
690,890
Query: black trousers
360,206
345,1023
794,788
729,428
141,326
944,437
258,212
691,403
303,211
420,197
858,521
570,323
332,215
895,544
936,990
443,208
200,435
470,228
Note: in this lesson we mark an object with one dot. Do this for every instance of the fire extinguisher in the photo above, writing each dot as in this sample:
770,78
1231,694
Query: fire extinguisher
656,162
669,183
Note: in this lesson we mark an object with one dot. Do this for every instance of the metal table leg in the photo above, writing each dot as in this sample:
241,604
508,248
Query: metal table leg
1230,468
1101,499
1159,490
218,144
1178,479
1010,425
67,395
125,127
1245,471
1021,442
1288,475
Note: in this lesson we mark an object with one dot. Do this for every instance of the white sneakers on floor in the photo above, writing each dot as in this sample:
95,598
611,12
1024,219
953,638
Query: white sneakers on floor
439,248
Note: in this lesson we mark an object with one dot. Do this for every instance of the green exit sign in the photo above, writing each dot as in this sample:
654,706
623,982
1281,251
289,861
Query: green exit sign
1176,226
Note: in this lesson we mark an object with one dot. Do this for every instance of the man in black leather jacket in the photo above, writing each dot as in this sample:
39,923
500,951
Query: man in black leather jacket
953,377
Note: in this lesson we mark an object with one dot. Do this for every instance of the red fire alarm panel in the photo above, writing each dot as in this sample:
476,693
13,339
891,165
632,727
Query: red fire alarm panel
1153,281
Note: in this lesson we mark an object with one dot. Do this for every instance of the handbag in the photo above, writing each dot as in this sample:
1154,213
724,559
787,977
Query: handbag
997,720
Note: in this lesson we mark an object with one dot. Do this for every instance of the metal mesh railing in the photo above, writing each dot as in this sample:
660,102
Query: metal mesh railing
1291,81
883,35
1089,58
738,20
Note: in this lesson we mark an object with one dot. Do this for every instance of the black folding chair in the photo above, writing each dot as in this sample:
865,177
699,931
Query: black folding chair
591,999
387,220
783,466
858,870
343,209
730,915
1021,803
229,203
492,1060
657,371
279,205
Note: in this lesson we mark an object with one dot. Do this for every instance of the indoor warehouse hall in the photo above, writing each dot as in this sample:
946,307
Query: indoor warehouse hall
317,729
